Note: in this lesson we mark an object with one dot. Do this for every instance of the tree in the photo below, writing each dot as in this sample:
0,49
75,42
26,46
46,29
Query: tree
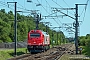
10,15
4,31
87,42
2,10
22,31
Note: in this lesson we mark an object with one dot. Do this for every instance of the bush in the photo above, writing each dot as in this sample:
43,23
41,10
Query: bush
1,41
87,42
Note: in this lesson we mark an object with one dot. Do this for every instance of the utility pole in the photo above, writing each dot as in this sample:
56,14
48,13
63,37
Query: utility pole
52,38
57,38
46,29
76,27
76,22
15,30
47,24
60,38
36,16
37,19
37,22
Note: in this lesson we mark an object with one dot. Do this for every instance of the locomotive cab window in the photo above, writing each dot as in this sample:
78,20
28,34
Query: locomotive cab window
35,35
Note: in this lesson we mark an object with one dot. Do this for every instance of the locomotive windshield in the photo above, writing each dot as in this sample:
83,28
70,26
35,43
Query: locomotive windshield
35,35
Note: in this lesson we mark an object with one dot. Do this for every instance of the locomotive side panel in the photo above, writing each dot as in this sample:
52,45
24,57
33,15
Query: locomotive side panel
46,40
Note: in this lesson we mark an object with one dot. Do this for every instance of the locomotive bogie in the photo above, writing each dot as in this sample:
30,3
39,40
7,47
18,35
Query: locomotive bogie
37,48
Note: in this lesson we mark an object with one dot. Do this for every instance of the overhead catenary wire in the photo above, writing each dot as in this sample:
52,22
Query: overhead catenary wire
9,6
61,6
54,18
23,7
5,5
67,4
84,9
57,3
45,8
55,12
47,3
84,12
48,13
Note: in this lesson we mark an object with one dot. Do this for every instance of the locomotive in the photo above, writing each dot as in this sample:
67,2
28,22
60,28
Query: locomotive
38,41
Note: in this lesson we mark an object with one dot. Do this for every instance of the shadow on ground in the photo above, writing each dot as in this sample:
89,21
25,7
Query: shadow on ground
18,53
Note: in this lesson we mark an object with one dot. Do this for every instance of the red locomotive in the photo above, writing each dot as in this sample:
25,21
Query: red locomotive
38,41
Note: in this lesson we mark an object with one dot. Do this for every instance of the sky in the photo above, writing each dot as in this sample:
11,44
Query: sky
46,9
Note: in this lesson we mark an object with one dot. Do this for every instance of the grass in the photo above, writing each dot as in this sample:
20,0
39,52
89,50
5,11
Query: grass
65,57
9,53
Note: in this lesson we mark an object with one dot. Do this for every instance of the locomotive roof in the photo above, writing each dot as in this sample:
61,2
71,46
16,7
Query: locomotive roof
45,33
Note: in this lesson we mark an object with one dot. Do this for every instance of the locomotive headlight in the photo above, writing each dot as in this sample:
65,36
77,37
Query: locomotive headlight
40,43
34,42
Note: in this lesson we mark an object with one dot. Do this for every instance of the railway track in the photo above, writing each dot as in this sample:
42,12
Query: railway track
52,54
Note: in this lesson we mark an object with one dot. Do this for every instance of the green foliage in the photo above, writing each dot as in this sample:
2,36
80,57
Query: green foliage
2,10
82,42
1,41
7,26
85,42
4,31
86,50
24,25
22,30
10,15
